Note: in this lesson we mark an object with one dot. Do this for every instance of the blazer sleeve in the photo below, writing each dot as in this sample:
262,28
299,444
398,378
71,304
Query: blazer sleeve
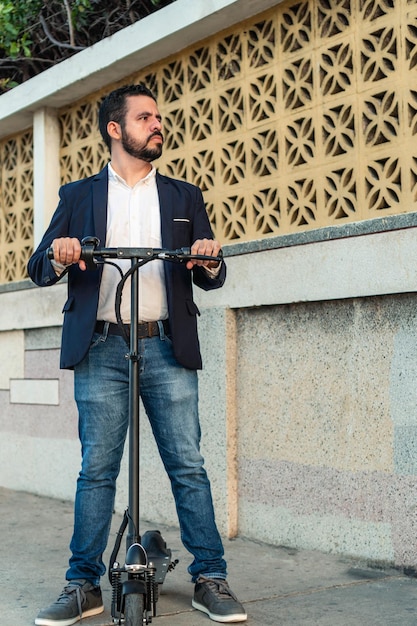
73,218
203,230
40,268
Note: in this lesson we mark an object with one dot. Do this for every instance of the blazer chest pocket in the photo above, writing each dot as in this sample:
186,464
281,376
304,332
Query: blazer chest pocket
181,227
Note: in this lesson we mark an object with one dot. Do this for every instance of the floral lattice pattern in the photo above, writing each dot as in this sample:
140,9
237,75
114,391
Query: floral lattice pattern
16,206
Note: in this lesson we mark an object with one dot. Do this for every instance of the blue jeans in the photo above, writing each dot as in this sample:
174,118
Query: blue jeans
169,393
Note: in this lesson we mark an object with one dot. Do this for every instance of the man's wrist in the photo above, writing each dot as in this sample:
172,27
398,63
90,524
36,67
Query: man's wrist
213,272
59,268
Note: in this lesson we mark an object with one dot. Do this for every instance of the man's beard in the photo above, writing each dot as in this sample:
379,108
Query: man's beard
141,150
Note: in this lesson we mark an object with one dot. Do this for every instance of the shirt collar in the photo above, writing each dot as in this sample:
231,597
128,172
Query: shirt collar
115,178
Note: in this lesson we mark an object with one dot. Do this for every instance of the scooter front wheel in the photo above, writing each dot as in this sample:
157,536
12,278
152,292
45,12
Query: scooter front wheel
134,609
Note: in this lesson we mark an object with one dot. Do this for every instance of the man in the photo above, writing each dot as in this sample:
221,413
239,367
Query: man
129,204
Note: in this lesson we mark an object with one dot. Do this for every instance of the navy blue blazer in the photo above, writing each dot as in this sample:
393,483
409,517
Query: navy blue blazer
82,212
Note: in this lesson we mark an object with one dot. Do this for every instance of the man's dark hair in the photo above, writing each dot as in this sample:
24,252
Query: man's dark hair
113,108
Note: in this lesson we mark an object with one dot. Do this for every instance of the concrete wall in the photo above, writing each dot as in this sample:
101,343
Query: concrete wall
327,457
325,412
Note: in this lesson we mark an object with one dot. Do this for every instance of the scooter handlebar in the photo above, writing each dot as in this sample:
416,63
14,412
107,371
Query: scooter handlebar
90,252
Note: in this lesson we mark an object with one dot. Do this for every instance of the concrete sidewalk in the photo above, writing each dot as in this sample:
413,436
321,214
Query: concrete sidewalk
279,586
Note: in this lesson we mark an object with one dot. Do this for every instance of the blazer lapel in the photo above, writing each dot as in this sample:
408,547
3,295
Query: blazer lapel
166,210
100,193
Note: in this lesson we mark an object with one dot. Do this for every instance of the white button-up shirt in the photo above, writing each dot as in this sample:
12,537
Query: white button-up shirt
133,220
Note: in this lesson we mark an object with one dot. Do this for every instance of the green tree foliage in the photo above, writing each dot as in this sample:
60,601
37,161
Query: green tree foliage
36,34
14,20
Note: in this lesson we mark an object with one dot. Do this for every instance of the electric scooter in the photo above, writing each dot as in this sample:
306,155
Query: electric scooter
135,583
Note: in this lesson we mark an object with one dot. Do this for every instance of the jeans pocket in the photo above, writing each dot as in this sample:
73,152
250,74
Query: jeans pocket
97,339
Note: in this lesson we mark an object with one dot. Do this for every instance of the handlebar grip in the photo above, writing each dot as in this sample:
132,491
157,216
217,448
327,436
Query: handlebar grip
88,245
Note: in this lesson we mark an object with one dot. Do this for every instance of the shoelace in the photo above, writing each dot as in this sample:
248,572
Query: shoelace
65,596
219,587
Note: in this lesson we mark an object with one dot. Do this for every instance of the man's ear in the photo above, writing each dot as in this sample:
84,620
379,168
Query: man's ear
114,130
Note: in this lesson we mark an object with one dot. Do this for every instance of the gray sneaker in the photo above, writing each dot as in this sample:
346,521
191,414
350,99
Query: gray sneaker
214,597
78,599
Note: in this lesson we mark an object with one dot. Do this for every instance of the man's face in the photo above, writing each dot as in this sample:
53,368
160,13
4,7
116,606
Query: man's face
142,129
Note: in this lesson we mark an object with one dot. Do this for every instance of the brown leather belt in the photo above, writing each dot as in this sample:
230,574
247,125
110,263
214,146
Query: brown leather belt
145,329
